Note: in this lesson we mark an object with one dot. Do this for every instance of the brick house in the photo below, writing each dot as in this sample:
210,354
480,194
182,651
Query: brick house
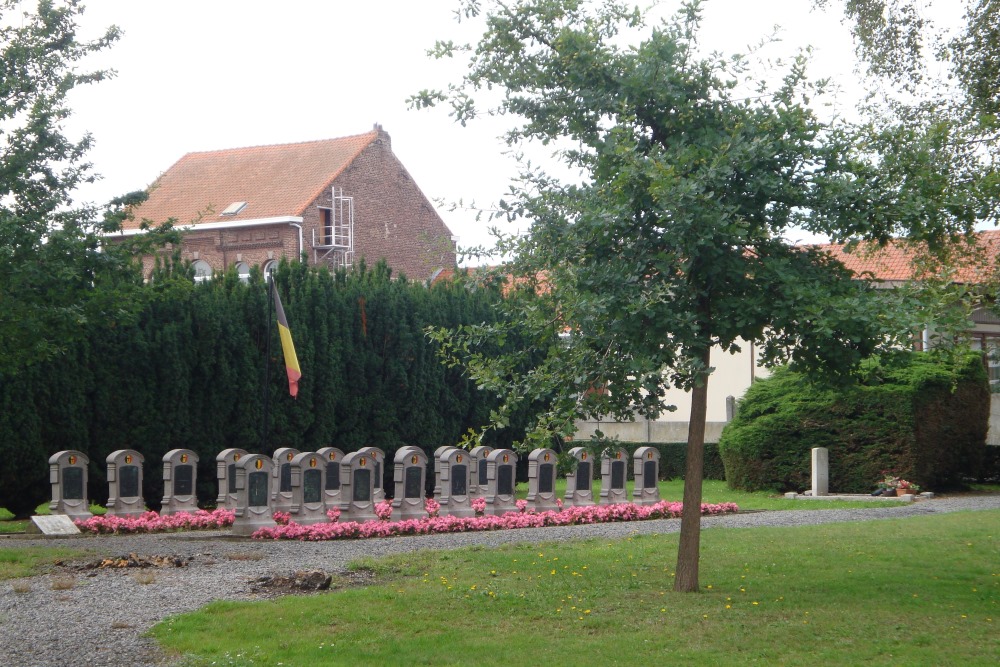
334,201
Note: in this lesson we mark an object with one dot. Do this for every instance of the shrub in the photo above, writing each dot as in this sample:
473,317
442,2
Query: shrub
924,417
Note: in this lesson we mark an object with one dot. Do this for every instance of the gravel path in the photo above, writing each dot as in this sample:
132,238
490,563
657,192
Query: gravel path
99,619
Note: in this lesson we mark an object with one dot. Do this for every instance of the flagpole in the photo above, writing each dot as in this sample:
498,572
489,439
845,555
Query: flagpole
269,281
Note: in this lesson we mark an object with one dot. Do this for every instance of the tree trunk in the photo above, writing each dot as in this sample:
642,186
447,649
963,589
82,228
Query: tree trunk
686,579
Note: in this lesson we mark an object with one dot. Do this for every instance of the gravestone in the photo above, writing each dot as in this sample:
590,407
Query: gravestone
378,456
501,468
613,474
437,469
409,474
68,477
52,525
478,483
646,470
454,473
281,486
180,480
820,471
357,487
308,478
542,480
253,480
332,458
225,472
125,483
580,480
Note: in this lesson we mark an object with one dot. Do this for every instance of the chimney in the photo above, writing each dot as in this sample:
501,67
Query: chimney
383,136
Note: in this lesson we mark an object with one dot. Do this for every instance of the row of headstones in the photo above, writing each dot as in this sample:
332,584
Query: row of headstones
307,484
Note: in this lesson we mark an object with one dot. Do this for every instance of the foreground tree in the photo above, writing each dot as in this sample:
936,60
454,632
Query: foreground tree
669,244
56,271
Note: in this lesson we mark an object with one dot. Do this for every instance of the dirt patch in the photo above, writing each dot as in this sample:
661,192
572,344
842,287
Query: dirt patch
130,561
310,581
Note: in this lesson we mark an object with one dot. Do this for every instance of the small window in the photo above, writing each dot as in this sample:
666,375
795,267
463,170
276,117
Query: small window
234,208
202,271
269,268
243,270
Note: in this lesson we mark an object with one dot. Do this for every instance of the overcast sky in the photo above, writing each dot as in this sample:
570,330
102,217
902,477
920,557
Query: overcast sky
196,75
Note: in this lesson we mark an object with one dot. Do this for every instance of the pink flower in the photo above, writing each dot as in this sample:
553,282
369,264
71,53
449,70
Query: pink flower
521,505
333,514
281,518
478,506
383,510
433,507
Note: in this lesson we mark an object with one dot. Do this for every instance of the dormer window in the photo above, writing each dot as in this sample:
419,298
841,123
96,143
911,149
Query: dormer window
234,208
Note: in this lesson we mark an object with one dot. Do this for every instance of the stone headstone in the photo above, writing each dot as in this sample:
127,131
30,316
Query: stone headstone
613,473
225,471
54,525
438,453
253,479
730,408
409,473
357,487
125,483
646,470
281,487
68,477
501,477
542,480
180,481
478,482
378,456
308,479
454,472
820,471
332,458
580,480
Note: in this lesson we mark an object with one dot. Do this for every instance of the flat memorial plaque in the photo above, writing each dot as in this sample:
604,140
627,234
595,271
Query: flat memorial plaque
54,525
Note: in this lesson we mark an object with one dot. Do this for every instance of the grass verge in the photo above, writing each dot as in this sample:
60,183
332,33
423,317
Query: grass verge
15,563
917,591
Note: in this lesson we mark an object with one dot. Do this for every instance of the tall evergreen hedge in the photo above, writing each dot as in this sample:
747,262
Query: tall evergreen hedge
190,373
924,417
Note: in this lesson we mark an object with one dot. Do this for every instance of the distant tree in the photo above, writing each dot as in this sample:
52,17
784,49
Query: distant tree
56,269
670,241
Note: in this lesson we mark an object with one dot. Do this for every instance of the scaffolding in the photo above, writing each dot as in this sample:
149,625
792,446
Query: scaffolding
333,241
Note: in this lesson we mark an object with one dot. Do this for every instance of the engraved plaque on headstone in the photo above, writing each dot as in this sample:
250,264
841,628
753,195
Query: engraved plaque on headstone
362,485
128,483
183,480
286,478
232,478
546,478
414,482
649,474
378,475
312,480
460,480
483,478
583,476
72,483
505,480
257,489
617,474
333,476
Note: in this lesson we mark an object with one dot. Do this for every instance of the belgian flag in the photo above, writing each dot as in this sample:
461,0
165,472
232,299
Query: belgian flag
287,346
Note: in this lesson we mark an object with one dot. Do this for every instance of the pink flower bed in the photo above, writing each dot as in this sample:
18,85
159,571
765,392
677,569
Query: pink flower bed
450,524
151,522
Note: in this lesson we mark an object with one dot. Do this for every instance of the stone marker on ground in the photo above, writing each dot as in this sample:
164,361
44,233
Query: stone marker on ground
308,479
125,483
253,494
646,470
378,456
613,476
68,477
820,471
281,487
501,468
357,487
225,472
542,480
580,480
180,482
332,457
478,483
454,481
53,525
409,474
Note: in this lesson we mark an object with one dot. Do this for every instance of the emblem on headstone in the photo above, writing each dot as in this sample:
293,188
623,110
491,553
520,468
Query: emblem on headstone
312,462
257,464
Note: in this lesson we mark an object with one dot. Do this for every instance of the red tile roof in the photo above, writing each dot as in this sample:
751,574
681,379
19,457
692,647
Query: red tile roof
894,262
277,180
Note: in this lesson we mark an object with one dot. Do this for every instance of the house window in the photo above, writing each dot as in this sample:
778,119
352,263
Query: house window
243,270
325,226
202,271
990,343
269,268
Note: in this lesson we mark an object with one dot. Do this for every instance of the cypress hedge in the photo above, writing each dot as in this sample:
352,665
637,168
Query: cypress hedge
189,373
922,417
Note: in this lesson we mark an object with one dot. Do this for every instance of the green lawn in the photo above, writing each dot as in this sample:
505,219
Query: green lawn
15,563
916,591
